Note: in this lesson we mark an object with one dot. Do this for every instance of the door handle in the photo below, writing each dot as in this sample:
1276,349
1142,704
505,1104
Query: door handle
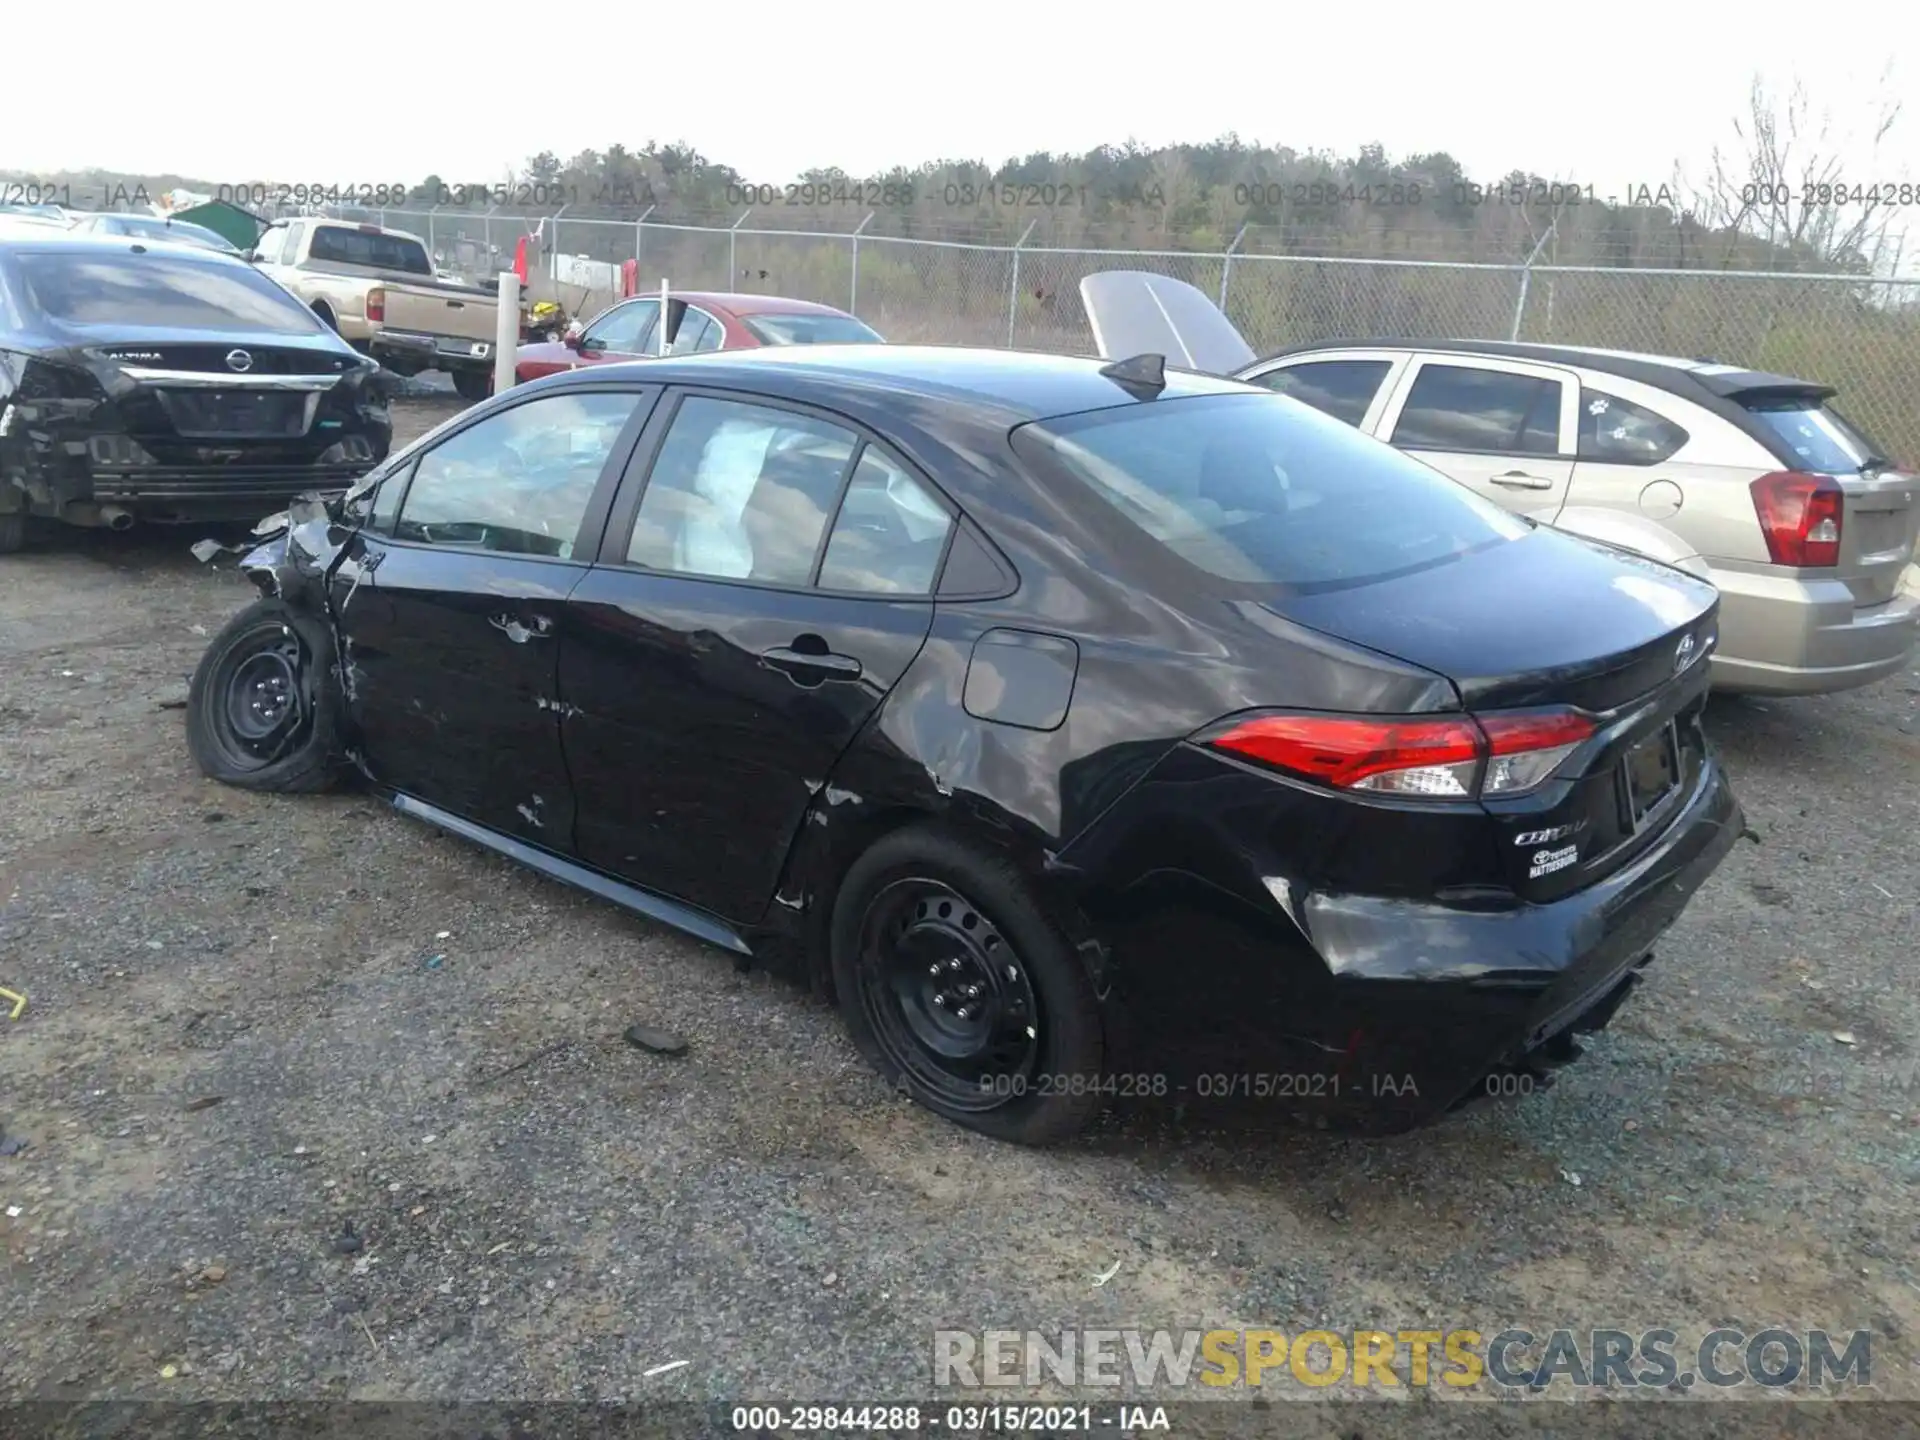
535,627
804,662
1520,480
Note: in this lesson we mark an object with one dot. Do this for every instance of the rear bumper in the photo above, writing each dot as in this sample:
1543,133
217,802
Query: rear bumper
232,492
1784,635
427,352
1391,1012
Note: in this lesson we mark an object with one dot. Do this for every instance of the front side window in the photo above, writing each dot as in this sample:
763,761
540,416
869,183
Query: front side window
623,329
740,491
1618,432
519,481
1499,412
1255,492
1340,388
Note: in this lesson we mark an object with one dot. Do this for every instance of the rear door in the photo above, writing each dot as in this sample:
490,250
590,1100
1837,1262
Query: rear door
762,586
452,629
1880,522
1350,385
1504,428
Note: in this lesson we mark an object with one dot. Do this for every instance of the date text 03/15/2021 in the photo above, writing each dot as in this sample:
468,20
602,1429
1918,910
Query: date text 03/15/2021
1223,1085
897,1419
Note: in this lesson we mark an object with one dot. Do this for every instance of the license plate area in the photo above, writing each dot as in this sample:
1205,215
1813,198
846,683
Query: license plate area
257,414
1649,776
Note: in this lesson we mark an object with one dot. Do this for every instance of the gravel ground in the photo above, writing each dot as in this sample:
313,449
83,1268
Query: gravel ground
254,1022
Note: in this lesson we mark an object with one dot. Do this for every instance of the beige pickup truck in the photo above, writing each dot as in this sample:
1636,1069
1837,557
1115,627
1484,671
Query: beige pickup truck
377,287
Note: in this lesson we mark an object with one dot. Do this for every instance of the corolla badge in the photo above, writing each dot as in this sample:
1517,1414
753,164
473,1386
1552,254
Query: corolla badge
1683,656
239,360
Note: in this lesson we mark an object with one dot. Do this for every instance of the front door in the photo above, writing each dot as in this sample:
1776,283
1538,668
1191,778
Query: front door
450,628
1503,428
756,601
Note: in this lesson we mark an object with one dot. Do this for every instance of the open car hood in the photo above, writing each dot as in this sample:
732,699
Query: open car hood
1135,312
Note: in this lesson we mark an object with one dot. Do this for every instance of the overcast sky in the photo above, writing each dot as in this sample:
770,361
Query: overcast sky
1611,95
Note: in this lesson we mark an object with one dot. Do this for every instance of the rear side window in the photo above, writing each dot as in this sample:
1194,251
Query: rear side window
1340,388
1461,407
1259,493
162,291
890,533
1819,439
363,247
1618,432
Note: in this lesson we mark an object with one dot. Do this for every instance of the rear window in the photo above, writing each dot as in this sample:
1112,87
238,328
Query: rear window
180,232
342,246
160,290
1260,490
810,330
1818,438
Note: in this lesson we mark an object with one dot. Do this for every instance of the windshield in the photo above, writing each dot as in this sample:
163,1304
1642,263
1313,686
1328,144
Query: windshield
1262,490
810,330
163,291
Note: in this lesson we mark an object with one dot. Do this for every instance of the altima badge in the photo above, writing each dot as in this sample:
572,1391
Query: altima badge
239,360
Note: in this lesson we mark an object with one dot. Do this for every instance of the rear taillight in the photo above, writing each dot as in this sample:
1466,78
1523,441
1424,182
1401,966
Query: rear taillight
376,304
1800,516
1452,757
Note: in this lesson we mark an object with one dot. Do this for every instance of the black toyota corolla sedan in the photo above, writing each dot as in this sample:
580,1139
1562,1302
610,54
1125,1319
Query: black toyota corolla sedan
146,380
1085,731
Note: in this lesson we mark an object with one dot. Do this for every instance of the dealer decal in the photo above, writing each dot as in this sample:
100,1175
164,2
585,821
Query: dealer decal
1545,862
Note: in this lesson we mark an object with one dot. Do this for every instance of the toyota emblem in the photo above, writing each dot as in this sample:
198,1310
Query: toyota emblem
239,360
1683,655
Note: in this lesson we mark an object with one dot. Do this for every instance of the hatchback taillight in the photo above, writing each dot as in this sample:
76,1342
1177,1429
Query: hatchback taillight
376,304
1443,757
1800,516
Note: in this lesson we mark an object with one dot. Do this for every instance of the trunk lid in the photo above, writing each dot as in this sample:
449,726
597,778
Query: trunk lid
1547,619
1551,621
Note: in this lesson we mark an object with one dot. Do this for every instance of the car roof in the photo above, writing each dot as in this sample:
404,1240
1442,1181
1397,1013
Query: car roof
1003,387
1683,377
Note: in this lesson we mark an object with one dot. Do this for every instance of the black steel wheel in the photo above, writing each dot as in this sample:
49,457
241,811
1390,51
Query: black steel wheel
961,991
263,712
949,999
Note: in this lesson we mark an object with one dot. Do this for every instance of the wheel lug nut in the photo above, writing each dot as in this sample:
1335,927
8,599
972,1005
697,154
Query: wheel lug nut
1032,1034
933,970
965,1012
1012,973
954,965
939,1002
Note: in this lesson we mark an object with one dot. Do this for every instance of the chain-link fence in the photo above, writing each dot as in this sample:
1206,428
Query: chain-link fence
1856,333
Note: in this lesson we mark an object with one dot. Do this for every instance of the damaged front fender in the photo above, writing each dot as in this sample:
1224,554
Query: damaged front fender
292,552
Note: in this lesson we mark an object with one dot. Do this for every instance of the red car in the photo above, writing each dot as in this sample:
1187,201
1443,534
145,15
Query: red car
699,321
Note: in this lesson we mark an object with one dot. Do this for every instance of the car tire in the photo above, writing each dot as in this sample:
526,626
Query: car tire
13,533
264,711
473,384
926,927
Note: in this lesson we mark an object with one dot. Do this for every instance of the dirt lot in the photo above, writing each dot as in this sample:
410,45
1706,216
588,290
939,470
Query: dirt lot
254,1022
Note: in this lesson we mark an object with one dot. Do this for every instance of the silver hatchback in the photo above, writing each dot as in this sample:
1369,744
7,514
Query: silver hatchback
1751,479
